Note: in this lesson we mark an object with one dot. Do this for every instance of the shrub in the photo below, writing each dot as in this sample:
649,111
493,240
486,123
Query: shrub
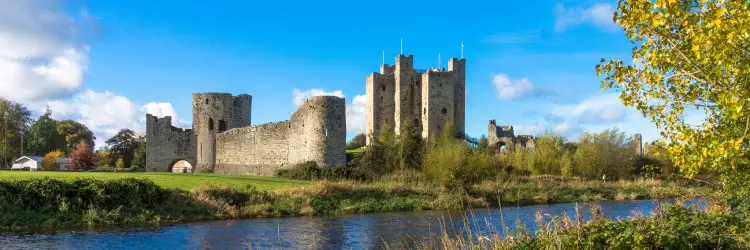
303,171
120,164
51,160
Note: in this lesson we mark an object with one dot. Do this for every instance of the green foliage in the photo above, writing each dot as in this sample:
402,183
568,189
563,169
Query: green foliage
74,133
454,165
705,66
609,153
409,147
120,163
139,156
14,120
357,141
122,146
303,171
83,202
43,135
546,156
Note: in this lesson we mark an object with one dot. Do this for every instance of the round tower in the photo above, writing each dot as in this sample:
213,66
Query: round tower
215,113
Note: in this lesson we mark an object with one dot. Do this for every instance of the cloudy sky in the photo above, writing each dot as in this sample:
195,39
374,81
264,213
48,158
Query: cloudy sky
530,64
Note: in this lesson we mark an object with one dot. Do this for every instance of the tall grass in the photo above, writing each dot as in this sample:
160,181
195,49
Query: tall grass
669,227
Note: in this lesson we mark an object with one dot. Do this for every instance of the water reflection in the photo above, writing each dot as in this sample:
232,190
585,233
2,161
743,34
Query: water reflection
398,230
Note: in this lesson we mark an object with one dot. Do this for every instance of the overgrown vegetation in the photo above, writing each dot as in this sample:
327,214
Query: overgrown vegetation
89,203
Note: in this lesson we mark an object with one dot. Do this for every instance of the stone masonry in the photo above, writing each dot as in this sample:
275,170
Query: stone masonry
504,136
316,132
166,144
222,140
427,99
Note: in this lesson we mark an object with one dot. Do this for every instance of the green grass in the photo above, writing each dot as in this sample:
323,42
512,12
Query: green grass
356,151
167,180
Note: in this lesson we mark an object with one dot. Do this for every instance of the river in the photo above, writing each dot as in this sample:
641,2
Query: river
339,232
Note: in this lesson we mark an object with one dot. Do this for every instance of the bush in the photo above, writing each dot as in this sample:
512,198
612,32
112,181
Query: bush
303,171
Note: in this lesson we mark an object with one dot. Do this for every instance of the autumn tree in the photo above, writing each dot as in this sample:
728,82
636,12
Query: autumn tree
690,56
357,142
51,160
83,157
74,134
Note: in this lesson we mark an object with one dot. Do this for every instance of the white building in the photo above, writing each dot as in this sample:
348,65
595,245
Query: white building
34,163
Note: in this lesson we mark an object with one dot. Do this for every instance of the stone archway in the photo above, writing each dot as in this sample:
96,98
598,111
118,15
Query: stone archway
501,146
180,166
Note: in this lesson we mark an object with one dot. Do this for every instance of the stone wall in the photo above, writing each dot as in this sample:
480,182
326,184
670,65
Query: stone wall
458,67
316,132
380,91
499,136
166,144
214,113
407,94
437,102
254,150
319,126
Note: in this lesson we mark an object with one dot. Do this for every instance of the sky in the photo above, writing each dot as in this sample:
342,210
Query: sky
530,64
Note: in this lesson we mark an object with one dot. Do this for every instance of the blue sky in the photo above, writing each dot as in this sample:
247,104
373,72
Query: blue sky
107,63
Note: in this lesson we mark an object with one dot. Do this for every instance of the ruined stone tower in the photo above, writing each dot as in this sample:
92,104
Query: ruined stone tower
214,113
505,136
427,99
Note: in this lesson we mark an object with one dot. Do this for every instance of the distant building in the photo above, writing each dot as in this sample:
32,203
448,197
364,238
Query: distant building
34,163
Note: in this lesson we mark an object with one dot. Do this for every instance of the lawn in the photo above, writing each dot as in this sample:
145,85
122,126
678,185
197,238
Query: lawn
356,151
168,180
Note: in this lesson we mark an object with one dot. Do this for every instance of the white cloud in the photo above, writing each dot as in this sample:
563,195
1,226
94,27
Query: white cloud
298,97
356,115
105,113
507,89
602,108
162,109
41,53
600,15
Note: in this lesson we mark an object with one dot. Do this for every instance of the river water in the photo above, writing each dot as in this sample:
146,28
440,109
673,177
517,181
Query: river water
399,230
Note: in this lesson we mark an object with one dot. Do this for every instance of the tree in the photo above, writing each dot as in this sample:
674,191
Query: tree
609,153
51,160
409,147
43,135
122,146
14,123
74,133
120,163
139,156
357,142
83,157
690,54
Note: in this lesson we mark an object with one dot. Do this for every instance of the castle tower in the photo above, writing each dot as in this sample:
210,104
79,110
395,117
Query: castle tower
214,113
429,100
458,67
408,95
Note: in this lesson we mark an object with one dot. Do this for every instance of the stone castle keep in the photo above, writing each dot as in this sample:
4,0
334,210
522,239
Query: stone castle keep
428,99
222,140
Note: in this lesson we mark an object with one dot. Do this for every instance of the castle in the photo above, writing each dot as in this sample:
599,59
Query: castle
504,136
427,99
222,140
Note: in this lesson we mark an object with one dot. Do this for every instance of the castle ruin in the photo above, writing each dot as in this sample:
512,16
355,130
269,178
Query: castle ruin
222,140
504,136
427,99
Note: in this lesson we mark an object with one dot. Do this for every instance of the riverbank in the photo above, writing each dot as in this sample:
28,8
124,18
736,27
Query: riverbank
89,203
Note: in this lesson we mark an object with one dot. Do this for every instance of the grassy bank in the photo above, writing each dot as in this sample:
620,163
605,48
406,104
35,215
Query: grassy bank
85,203
669,227
166,180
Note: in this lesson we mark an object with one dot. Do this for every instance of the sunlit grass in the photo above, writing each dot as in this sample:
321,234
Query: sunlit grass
167,180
